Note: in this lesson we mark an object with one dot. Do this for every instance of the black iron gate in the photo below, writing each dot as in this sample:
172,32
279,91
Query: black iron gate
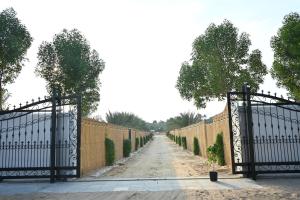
264,133
29,145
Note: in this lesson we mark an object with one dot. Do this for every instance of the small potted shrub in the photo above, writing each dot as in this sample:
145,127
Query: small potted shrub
212,159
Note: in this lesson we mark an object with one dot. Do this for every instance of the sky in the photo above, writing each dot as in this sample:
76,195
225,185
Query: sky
143,43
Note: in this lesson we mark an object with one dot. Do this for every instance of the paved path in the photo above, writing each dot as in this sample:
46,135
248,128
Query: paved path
125,185
151,189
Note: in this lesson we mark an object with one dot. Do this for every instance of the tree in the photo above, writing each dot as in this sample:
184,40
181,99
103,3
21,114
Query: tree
286,47
183,120
220,63
69,65
126,119
14,42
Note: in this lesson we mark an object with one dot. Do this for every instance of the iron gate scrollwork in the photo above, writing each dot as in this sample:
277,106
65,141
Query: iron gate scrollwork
264,133
41,139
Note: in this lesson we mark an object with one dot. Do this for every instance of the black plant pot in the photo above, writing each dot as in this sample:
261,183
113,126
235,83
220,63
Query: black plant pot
213,176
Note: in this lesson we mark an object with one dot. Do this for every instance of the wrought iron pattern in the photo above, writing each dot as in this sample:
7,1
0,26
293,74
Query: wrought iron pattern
274,129
26,142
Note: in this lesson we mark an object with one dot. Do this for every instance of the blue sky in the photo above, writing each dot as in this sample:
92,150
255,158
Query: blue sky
143,44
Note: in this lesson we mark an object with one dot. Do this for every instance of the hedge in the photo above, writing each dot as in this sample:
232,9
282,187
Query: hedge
141,141
179,140
126,148
109,152
137,143
220,149
196,146
184,144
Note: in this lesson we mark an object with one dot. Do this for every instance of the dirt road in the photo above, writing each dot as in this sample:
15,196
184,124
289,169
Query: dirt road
162,158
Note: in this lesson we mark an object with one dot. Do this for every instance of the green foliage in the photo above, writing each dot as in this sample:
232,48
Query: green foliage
196,146
14,42
70,65
220,149
126,148
216,151
109,152
184,144
286,47
179,140
212,154
157,126
127,120
141,141
137,144
184,119
144,139
220,63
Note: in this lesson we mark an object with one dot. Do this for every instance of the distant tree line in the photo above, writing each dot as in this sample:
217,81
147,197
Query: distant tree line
132,121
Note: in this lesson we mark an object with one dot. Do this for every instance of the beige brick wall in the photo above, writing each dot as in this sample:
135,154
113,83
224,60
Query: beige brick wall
92,150
206,134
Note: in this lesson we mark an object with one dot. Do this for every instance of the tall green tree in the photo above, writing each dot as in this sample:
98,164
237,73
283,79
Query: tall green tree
286,47
220,62
14,42
70,65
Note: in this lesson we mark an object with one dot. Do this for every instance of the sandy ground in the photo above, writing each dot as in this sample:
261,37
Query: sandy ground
264,194
162,158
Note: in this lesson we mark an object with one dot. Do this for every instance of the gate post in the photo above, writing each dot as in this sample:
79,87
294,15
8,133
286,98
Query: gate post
53,132
249,128
78,136
230,132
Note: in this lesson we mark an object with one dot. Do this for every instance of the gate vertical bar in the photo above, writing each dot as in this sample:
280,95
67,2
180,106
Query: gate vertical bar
53,132
78,135
230,132
249,122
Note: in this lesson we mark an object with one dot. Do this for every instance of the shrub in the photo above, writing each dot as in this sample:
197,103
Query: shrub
144,140
141,141
196,146
212,155
109,152
179,140
137,144
184,144
126,148
220,149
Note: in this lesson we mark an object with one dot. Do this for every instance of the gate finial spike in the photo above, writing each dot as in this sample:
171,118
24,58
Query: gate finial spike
275,94
14,106
262,91
20,105
26,102
269,92
39,98
32,100
281,96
